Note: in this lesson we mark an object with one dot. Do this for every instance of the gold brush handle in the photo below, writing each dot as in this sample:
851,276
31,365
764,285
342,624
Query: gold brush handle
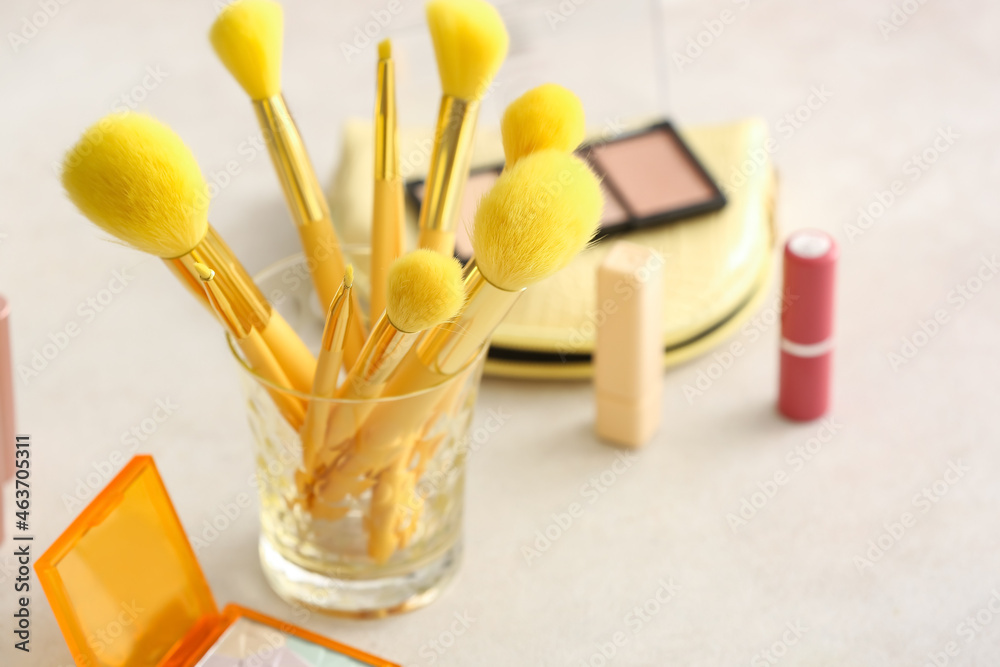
385,510
388,208
259,357
450,347
449,169
250,308
293,355
309,209
375,444
380,431
331,358
385,430
263,362
399,483
387,239
384,350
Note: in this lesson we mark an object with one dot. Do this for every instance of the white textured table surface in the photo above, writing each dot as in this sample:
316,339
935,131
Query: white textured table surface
663,519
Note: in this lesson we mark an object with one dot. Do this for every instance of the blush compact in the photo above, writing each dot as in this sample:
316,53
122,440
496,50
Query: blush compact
650,177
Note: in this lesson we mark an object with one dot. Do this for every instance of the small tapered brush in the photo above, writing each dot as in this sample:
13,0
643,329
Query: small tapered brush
542,211
546,117
424,290
133,177
539,215
331,354
338,322
470,43
258,355
388,212
247,36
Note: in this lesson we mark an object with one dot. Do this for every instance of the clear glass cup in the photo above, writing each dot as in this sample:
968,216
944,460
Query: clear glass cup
369,525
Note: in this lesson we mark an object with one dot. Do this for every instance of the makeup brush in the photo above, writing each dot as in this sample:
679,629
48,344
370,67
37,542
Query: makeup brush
546,117
470,42
395,506
385,510
247,36
136,180
328,365
541,212
424,290
259,357
388,216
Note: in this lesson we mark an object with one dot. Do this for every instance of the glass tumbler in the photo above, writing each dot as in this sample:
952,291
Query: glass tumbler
368,524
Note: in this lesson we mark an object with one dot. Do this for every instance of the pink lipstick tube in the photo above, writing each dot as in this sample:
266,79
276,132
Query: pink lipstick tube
807,325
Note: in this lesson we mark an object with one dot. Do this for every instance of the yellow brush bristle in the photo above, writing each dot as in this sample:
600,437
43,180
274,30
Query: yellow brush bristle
385,49
424,289
247,36
135,179
548,116
541,212
349,276
470,42
204,272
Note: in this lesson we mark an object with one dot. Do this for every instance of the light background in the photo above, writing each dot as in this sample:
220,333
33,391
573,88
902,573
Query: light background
665,517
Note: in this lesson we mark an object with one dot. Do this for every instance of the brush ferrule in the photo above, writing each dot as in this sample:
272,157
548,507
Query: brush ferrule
337,319
386,124
309,209
224,310
234,286
449,166
298,179
385,348
449,348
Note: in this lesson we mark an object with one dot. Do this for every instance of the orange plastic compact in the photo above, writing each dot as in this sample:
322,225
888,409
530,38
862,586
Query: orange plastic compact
127,591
